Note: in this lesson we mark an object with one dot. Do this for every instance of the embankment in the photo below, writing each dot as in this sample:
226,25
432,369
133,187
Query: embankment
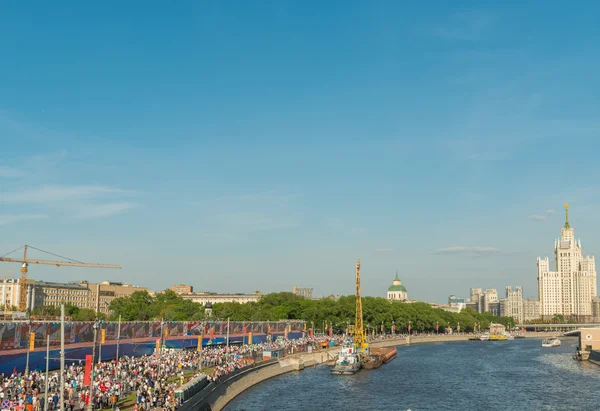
221,395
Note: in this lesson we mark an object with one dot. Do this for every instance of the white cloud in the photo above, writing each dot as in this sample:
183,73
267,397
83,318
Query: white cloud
537,217
10,172
13,218
57,193
101,210
551,211
466,250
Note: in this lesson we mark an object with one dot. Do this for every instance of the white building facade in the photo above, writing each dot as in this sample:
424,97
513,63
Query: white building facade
569,289
213,298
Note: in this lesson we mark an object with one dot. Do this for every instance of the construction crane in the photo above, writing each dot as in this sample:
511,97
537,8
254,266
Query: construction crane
360,339
25,261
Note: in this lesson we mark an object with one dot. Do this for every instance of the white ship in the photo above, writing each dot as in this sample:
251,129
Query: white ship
551,342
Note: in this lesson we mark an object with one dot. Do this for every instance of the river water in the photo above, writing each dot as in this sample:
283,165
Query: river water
469,375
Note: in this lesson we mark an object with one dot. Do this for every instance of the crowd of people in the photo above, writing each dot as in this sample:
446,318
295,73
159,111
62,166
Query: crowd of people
151,379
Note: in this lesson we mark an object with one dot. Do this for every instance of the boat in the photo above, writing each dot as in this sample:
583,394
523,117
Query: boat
370,362
497,337
386,354
348,361
484,337
551,342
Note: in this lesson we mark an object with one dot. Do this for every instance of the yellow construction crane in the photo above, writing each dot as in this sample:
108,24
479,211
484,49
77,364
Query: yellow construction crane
360,339
25,261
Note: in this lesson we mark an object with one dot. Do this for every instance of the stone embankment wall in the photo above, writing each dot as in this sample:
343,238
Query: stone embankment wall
295,362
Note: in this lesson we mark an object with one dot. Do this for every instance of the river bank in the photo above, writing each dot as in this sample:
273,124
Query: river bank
298,362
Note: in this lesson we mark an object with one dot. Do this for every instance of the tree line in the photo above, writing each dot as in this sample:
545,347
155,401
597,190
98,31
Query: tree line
337,314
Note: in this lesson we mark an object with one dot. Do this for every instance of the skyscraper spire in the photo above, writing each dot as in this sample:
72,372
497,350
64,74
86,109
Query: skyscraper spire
567,216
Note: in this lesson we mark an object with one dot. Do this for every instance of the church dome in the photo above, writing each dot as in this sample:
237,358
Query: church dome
397,285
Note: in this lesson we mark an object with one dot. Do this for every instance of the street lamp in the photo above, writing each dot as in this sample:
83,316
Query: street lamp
393,327
28,348
91,401
437,327
409,330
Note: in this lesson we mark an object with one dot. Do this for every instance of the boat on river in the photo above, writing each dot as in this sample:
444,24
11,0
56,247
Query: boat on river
551,342
348,361
387,354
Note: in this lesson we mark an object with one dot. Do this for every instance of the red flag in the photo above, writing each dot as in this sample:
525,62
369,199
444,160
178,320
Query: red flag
212,333
330,332
409,328
88,370
244,330
437,327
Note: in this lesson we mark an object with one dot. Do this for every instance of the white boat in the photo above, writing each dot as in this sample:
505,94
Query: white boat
551,342
348,361
484,337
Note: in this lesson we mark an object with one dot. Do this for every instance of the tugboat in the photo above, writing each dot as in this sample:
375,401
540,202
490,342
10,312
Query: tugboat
348,361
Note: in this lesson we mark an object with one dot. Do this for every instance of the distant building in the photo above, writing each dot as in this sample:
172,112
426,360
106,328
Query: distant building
531,309
102,294
213,298
93,296
10,292
182,289
486,301
303,292
570,289
44,294
514,303
397,291
455,302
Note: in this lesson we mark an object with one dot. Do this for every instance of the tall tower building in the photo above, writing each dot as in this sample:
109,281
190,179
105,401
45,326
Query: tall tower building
569,289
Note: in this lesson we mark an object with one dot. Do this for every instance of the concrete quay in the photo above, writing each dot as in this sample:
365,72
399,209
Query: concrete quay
297,362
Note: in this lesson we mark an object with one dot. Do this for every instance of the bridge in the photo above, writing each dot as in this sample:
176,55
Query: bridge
567,329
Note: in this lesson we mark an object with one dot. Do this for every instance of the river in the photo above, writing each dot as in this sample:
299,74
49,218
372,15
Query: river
469,375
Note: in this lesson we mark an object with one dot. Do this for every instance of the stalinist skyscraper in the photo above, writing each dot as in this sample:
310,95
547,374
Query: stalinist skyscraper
570,288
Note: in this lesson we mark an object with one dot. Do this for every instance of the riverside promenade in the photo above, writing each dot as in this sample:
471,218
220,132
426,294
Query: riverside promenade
297,362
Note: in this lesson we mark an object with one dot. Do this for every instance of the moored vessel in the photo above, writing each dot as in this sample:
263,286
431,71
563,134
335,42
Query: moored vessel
387,354
551,342
347,363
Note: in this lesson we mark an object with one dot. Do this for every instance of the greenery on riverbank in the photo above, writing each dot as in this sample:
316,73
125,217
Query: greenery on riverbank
287,306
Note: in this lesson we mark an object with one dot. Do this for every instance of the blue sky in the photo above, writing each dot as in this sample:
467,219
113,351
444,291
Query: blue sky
238,146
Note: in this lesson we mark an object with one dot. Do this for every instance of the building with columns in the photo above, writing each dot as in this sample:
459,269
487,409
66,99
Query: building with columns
397,291
571,287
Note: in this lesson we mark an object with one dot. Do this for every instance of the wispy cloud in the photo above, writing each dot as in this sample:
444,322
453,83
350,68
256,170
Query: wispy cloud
477,250
384,250
10,172
537,217
59,193
14,218
551,211
101,210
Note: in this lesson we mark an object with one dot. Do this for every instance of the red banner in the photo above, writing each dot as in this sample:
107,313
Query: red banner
88,370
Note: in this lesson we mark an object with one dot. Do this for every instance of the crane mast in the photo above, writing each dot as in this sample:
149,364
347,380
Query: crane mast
359,332
26,261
